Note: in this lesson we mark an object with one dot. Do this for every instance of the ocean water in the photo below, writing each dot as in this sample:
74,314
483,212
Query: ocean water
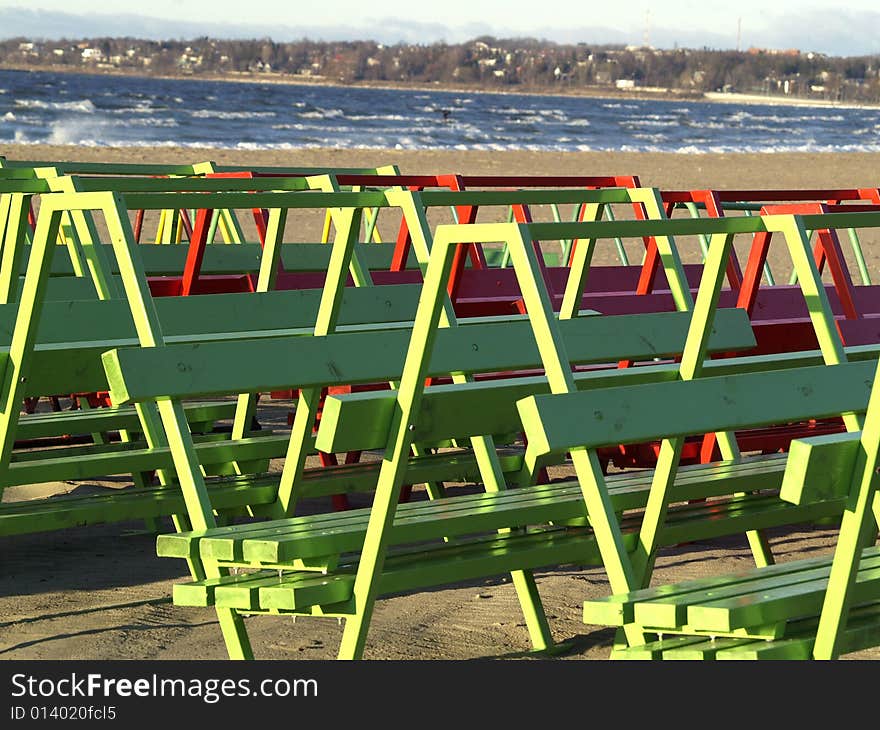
51,108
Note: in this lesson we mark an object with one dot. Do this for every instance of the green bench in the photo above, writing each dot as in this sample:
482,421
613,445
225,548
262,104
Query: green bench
336,565
815,608
770,611
55,347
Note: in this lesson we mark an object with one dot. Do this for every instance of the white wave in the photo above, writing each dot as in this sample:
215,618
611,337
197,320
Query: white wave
787,119
152,122
692,150
322,114
84,105
579,123
335,142
221,114
2,91
739,116
76,132
553,114
649,123
139,109
9,117
383,117
651,137
282,127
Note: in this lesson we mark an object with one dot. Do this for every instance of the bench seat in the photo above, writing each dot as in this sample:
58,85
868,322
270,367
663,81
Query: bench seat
765,613
286,539
324,581
548,516
724,604
862,632
201,417
131,503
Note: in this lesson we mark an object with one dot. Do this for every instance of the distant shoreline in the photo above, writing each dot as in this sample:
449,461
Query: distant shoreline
637,93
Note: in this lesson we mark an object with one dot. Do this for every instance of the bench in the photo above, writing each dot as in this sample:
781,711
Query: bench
796,610
53,345
173,224
336,565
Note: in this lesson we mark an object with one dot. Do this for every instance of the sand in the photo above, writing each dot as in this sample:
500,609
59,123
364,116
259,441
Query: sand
101,593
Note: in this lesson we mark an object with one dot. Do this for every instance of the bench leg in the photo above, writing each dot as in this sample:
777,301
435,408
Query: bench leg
857,531
760,548
523,580
435,490
238,646
533,610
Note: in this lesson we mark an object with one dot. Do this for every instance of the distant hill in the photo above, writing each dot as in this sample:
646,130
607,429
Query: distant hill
507,64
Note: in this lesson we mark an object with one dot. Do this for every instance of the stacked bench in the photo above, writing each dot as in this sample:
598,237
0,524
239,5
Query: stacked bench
550,373
337,565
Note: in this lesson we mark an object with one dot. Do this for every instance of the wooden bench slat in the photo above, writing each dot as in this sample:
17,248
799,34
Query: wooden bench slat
664,410
862,632
126,460
56,423
725,603
291,538
130,503
361,420
185,370
781,602
618,608
451,562
72,336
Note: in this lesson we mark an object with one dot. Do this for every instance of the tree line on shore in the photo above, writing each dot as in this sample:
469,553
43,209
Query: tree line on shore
511,64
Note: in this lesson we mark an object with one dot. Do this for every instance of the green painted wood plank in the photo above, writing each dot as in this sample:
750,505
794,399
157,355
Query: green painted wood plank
754,512
784,602
241,258
653,650
447,562
129,459
67,355
44,425
303,591
820,468
728,602
66,323
641,413
621,604
862,632
121,505
483,347
360,420
629,492
286,540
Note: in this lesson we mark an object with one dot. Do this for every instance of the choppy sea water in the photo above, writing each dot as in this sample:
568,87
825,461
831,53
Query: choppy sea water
51,108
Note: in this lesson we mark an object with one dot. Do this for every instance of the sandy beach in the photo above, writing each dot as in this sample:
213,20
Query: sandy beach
101,592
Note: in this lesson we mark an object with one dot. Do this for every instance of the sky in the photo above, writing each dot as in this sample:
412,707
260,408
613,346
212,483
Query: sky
847,28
